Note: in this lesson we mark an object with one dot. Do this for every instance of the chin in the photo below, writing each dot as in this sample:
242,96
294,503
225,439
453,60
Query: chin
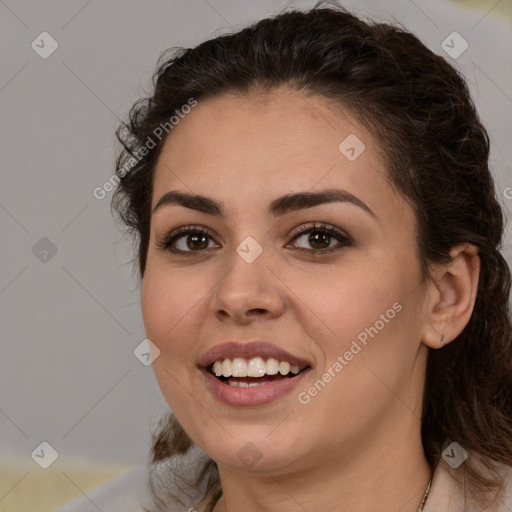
254,453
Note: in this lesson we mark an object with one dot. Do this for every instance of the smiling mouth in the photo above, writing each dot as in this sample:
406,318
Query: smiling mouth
252,382
254,372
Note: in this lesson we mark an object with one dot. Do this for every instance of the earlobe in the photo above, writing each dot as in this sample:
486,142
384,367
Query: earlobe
452,294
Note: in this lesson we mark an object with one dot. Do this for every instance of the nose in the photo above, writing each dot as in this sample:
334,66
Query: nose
248,291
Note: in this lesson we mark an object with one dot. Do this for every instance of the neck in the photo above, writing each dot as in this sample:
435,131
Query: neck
387,476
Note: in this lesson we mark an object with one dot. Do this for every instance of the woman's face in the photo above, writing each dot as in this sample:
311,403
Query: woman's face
349,306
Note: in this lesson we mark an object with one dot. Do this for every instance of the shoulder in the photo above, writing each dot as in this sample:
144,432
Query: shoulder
449,491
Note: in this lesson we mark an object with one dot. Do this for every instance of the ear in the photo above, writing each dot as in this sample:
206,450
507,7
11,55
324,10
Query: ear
451,296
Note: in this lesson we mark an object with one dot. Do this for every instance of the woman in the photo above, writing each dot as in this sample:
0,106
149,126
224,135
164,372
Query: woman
318,244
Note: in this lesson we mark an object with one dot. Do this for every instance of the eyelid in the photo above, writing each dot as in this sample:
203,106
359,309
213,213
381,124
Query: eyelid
170,237
342,236
320,226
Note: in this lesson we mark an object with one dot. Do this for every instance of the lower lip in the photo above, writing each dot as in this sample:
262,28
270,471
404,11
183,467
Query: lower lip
253,396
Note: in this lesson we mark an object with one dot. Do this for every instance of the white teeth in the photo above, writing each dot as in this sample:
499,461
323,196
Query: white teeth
239,367
284,368
271,366
217,368
226,368
237,384
255,367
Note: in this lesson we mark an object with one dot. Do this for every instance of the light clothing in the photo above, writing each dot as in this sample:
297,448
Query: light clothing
447,495
131,492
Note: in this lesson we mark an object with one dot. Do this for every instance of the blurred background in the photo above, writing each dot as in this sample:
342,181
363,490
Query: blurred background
74,396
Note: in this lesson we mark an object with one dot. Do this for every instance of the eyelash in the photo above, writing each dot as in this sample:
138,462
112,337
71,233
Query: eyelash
345,240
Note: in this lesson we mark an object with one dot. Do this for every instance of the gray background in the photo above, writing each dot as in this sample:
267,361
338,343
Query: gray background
69,325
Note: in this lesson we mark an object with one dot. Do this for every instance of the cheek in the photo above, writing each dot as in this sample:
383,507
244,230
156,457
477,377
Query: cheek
170,323
169,305
373,319
351,302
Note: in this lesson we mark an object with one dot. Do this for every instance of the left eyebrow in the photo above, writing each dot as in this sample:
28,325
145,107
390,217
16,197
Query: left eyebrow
278,207
301,200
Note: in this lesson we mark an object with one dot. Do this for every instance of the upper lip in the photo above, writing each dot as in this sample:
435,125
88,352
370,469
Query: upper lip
232,349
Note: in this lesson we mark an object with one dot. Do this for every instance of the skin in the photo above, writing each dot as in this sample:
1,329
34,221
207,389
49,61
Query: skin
356,445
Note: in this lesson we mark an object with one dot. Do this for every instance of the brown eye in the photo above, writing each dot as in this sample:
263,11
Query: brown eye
319,237
189,238
196,241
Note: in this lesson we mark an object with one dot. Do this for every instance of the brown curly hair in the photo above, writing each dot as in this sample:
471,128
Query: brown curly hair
436,150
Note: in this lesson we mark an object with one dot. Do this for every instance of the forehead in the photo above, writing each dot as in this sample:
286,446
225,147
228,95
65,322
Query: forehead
251,146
